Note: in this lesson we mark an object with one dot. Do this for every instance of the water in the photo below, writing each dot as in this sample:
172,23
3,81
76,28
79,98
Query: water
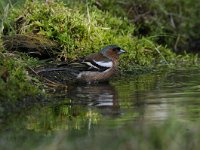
94,115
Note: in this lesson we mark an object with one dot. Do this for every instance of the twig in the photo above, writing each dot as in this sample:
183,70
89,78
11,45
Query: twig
176,43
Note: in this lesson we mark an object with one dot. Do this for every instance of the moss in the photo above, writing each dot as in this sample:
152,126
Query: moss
84,29
15,82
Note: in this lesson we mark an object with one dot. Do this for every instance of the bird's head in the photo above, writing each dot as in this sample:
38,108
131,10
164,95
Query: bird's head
112,51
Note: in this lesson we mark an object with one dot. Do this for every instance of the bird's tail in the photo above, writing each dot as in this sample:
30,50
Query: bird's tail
62,75
60,69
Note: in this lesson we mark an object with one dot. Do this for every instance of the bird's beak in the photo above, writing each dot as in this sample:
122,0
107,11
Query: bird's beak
121,51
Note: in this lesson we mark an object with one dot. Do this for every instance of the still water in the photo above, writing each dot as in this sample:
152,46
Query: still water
79,117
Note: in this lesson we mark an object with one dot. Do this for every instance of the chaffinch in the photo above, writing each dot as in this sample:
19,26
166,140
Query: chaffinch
97,67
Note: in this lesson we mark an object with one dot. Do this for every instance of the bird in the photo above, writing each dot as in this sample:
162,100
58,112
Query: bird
94,68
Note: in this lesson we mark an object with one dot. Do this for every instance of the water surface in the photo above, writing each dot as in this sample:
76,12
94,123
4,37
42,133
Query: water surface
85,113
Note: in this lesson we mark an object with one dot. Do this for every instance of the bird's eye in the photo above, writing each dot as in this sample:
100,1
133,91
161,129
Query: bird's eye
116,49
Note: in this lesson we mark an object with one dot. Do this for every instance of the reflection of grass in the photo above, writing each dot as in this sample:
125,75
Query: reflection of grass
61,117
66,127
62,127
171,135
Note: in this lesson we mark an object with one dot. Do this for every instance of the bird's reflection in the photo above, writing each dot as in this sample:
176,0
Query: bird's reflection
101,96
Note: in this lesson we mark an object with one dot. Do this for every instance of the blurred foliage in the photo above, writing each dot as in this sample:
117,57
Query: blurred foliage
168,22
142,136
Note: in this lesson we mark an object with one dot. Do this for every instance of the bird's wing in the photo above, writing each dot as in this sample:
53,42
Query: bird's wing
98,61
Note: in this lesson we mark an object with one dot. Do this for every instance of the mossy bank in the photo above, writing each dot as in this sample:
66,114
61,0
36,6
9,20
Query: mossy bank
79,28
